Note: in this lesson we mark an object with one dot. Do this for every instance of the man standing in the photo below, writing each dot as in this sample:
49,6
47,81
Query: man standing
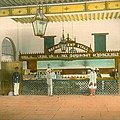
16,81
92,83
50,75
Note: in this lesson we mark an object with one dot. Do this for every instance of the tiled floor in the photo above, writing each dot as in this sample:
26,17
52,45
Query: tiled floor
74,107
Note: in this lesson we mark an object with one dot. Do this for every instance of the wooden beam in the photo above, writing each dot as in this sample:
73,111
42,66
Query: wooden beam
59,9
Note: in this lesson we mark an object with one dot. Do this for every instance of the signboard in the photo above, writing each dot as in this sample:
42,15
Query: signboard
68,64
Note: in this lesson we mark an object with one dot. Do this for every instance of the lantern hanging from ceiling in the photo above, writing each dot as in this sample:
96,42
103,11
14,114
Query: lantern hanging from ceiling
39,23
63,43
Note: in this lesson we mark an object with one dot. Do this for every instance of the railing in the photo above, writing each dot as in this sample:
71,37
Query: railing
69,87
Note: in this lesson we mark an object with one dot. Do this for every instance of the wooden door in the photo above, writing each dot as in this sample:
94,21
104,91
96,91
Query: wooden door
7,68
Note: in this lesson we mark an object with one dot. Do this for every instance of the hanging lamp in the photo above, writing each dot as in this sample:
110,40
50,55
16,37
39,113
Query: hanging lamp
62,43
39,23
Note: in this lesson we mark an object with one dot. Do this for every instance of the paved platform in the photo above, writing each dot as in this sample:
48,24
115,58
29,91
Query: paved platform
69,107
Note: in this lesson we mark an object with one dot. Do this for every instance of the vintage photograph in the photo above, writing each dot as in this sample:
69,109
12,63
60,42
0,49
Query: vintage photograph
59,59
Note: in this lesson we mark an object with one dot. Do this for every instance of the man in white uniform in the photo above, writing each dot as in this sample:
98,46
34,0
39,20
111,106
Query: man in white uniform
50,75
92,83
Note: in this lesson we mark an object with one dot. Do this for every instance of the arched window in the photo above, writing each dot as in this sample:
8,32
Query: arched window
8,50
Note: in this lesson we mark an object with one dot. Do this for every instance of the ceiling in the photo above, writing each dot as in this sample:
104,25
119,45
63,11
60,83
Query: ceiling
8,3
23,11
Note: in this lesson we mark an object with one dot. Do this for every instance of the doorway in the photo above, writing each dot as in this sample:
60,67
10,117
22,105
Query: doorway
7,68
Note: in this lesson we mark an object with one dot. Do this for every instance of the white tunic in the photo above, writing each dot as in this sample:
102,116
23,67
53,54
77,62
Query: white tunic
48,76
53,75
92,83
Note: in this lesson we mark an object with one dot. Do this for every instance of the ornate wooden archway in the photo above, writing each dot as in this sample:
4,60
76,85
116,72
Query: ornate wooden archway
70,44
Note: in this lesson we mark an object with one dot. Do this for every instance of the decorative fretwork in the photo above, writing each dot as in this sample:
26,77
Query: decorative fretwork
68,56
65,87
34,87
69,87
69,44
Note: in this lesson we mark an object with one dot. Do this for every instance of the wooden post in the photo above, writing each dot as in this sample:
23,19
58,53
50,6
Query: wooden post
119,75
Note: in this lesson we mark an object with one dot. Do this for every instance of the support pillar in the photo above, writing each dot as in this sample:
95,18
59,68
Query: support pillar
119,75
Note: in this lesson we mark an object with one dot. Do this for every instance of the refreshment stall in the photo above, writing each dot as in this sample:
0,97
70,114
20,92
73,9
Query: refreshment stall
71,67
